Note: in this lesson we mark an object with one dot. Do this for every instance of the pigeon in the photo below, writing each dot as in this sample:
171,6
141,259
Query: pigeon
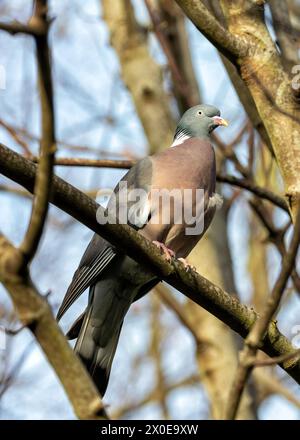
115,280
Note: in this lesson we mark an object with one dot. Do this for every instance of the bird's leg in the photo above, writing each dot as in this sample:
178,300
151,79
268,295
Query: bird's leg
186,264
169,254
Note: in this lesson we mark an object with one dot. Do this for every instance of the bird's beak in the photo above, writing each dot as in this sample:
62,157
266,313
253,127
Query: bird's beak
220,121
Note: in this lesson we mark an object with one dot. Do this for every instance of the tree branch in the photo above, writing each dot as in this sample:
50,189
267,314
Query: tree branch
240,87
231,46
98,163
277,360
168,299
224,306
256,334
259,191
140,72
47,147
285,33
245,183
260,67
34,312
14,134
178,78
32,29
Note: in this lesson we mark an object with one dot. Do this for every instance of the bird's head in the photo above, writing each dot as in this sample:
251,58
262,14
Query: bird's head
199,121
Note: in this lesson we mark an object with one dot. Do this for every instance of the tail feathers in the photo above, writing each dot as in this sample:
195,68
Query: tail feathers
98,360
103,363
73,332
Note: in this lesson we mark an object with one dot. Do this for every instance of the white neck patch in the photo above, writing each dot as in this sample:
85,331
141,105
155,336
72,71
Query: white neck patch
180,139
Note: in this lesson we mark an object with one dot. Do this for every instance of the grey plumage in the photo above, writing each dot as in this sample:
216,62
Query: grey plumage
114,279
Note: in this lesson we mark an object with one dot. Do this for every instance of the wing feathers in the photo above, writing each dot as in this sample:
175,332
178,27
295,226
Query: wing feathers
84,277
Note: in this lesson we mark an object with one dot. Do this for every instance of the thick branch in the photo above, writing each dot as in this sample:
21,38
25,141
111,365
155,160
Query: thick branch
260,67
285,33
34,312
228,44
224,306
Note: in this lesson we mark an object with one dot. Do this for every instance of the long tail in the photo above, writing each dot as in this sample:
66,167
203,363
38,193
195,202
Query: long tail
98,329
98,360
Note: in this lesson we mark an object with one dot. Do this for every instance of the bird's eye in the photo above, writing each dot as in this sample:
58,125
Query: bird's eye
199,112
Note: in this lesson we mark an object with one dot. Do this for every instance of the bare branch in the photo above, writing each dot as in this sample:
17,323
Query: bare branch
47,148
34,312
14,134
275,235
277,360
179,80
260,67
152,396
269,384
10,377
284,33
259,191
140,72
256,334
168,299
215,300
173,27
231,46
98,163
35,29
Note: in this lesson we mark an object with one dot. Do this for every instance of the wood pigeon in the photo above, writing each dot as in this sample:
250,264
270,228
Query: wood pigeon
114,279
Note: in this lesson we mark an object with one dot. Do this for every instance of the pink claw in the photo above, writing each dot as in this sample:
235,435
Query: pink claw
187,265
169,254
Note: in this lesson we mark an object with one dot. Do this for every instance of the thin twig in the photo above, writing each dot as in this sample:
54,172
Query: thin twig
47,148
97,163
35,29
14,134
182,85
277,360
9,378
17,131
256,334
269,384
166,296
259,191
16,191
275,235
14,332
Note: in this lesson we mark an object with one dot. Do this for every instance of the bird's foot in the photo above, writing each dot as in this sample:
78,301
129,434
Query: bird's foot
168,253
186,264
